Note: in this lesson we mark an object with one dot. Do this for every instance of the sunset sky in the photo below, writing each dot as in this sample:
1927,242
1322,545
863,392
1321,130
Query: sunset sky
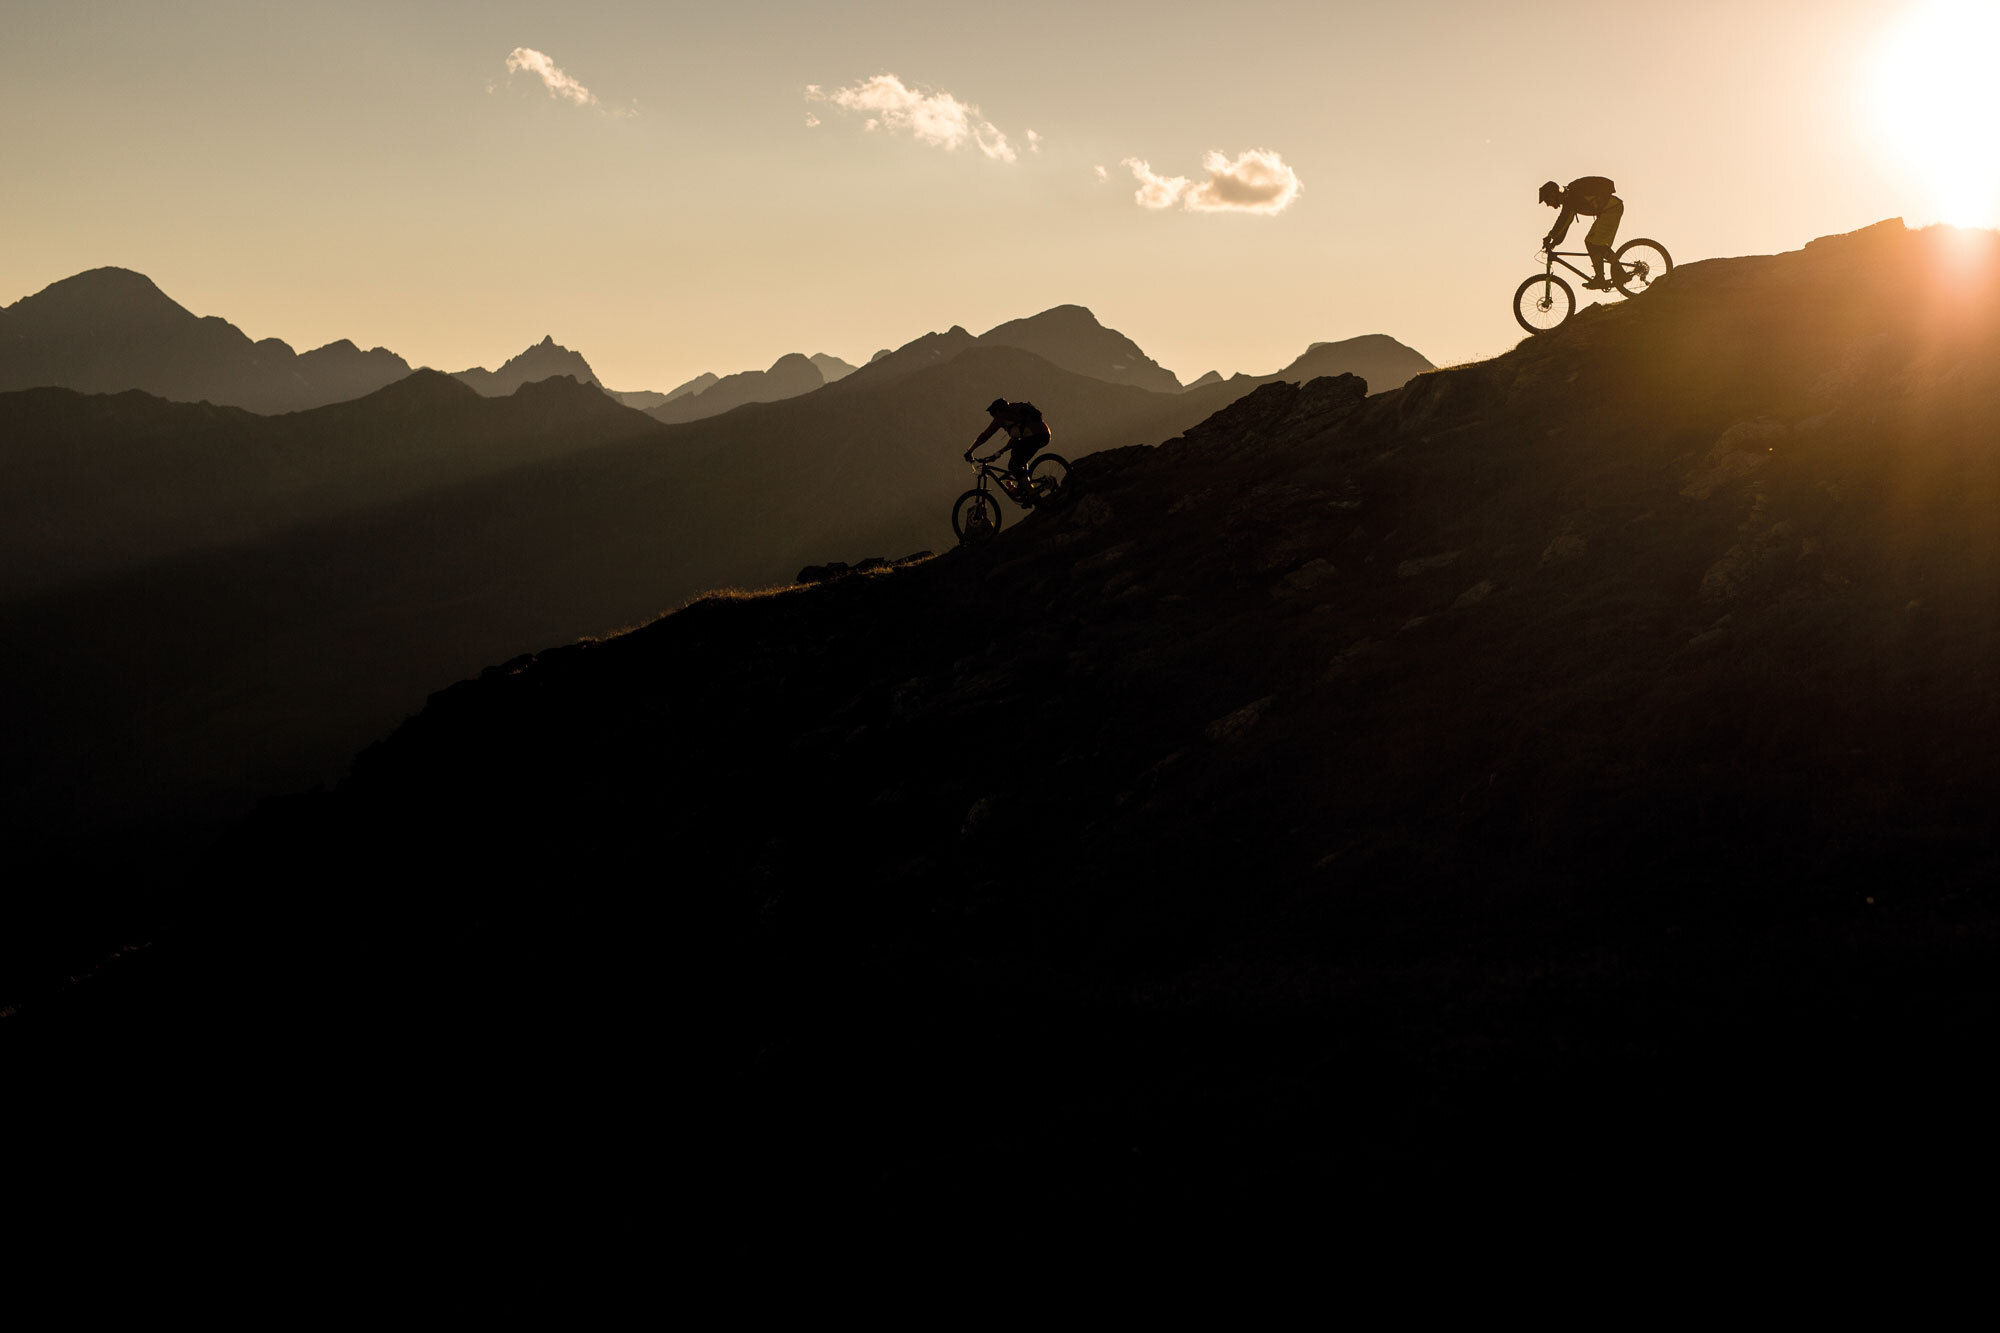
645,181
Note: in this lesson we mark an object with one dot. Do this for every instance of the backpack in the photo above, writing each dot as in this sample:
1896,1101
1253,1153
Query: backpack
1028,418
1591,187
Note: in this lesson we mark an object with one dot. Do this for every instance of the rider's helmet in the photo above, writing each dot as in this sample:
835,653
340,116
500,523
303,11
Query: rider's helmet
1552,194
997,405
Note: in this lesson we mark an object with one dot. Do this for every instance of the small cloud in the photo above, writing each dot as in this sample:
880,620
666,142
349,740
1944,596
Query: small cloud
811,120
1155,191
1034,142
934,118
1102,174
542,67
1257,181
560,84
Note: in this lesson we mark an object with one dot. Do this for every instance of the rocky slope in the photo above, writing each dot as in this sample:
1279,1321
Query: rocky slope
1564,781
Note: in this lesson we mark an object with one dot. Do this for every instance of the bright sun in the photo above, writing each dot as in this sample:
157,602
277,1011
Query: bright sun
1937,106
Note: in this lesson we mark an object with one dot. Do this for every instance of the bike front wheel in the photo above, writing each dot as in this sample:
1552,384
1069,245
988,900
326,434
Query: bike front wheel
1644,263
1543,302
975,517
1045,476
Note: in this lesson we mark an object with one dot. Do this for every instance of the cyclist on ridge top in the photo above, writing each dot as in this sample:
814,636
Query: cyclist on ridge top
1592,196
1025,428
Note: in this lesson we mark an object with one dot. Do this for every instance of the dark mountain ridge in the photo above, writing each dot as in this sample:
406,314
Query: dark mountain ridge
1568,777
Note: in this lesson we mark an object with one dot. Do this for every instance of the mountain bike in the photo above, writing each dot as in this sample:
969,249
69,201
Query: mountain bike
976,516
1545,301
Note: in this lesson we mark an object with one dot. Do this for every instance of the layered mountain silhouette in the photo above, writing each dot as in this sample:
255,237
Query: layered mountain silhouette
110,329
291,650
788,377
831,368
1566,771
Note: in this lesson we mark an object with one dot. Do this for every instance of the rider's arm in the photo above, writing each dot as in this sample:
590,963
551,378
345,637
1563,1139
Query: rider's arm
1561,229
986,434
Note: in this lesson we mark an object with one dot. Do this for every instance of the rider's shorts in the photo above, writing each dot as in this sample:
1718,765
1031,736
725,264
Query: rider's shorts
1605,230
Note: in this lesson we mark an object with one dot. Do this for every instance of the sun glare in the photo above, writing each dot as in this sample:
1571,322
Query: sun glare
1937,107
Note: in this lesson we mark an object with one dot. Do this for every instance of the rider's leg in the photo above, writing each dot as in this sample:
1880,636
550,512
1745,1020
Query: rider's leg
1598,257
1017,462
1603,232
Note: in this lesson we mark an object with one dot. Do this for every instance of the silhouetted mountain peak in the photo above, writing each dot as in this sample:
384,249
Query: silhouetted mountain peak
1376,357
420,388
831,368
918,354
99,300
1070,336
539,362
557,389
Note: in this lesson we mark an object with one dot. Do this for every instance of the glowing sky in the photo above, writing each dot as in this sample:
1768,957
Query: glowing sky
672,188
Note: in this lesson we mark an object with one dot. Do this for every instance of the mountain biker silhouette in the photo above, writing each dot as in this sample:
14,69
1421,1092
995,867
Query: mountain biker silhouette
1592,196
1025,429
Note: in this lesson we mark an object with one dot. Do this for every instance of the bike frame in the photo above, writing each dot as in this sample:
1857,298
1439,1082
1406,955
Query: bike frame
1563,257
986,469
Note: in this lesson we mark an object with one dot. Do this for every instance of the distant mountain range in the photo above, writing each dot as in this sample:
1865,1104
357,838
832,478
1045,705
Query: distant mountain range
110,330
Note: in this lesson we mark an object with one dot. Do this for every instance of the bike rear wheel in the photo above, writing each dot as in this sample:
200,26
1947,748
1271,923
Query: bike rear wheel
1543,302
1046,475
975,517
1644,263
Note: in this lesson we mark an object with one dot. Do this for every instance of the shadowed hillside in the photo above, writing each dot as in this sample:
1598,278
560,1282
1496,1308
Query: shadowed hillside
270,657
100,484
1565,779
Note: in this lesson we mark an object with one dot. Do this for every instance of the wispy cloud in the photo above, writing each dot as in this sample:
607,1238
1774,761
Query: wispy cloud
1102,174
1034,142
542,67
1257,181
525,59
929,117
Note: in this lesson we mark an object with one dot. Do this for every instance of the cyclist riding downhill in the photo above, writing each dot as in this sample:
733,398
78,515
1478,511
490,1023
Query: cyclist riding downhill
1593,197
1027,435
